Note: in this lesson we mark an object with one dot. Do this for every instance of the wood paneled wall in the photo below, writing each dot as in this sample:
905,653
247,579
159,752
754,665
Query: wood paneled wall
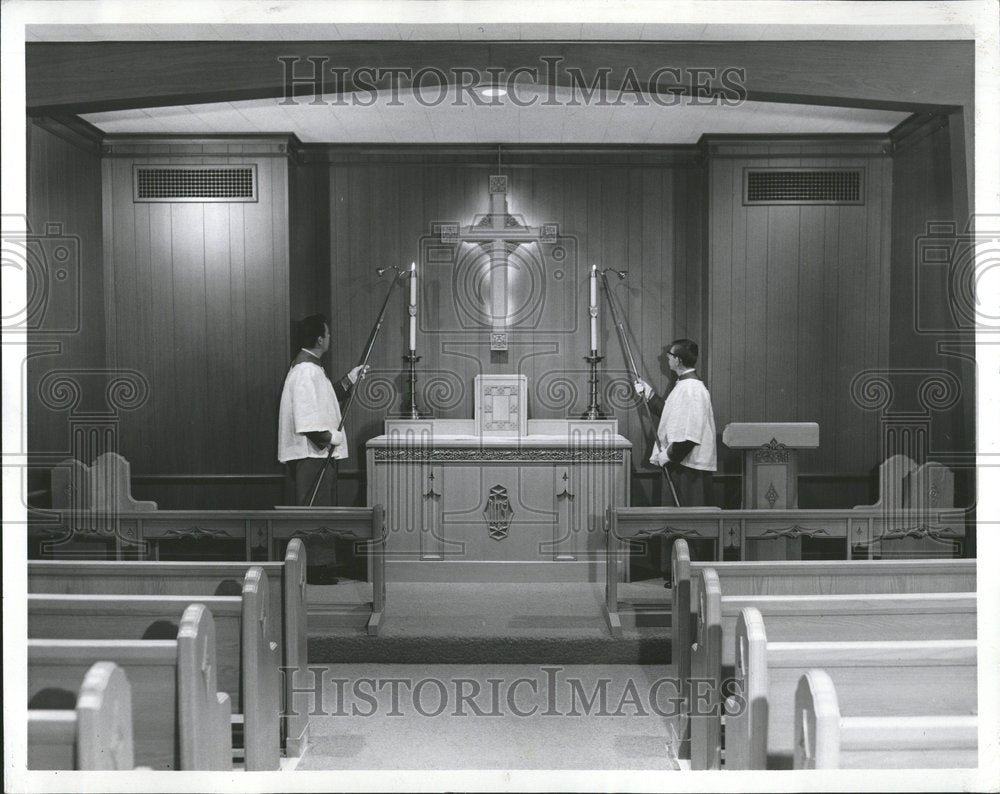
198,300
309,242
65,292
799,299
931,330
789,303
636,211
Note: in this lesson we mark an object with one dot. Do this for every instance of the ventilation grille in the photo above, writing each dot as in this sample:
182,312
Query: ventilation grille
195,183
813,186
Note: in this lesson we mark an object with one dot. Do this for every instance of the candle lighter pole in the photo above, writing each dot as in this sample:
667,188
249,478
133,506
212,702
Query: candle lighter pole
635,372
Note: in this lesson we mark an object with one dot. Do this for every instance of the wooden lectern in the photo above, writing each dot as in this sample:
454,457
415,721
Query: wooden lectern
770,462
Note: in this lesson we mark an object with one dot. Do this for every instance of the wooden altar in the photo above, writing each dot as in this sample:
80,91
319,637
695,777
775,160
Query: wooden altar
476,506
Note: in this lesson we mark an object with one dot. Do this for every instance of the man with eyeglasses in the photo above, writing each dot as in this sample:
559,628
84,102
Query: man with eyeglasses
686,432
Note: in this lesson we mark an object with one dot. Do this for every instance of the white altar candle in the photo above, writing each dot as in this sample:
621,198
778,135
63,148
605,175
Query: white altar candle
413,305
593,307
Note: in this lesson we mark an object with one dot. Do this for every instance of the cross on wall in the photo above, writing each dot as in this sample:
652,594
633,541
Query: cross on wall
499,233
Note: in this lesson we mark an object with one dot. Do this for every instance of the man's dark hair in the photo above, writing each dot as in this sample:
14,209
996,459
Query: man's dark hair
312,328
686,351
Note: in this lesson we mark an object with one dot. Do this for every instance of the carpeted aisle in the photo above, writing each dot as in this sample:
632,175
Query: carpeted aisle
489,622
435,717
490,675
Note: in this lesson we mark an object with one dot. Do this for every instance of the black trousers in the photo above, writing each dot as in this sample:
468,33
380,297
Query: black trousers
304,473
693,486
694,489
319,551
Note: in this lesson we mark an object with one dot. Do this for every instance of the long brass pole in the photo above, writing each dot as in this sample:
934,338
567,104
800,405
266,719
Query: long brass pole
635,372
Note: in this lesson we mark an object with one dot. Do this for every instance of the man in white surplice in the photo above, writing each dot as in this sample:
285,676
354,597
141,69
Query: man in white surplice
686,433
308,426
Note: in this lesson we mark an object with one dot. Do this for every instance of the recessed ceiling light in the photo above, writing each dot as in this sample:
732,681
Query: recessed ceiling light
490,91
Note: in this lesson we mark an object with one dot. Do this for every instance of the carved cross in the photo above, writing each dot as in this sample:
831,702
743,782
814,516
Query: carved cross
499,233
804,742
206,665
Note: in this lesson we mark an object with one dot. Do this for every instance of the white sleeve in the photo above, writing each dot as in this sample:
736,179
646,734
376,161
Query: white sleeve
307,411
689,422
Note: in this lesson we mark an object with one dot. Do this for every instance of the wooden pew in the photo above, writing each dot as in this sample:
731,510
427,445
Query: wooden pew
903,485
286,606
96,735
140,534
826,740
748,533
908,492
803,618
364,525
892,478
873,679
247,662
111,485
844,577
180,721
69,485
68,527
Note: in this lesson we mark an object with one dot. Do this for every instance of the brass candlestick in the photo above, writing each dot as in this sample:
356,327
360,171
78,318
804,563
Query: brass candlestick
411,411
594,409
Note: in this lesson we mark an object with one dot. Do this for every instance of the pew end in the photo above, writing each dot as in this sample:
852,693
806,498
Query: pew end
816,722
680,630
180,721
747,708
111,486
875,679
826,740
705,703
261,658
69,485
206,739
205,582
805,619
295,639
97,735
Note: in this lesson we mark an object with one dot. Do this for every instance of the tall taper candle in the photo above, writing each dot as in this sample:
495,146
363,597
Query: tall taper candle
413,305
593,307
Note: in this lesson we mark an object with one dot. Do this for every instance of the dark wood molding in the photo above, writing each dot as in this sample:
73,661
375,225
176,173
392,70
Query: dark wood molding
226,479
795,146
204,479
915,129
73,130
512,156
132,145
832,477
354,474
516,156
82,77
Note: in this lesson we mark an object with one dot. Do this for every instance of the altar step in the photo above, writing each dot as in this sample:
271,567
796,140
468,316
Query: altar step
489,623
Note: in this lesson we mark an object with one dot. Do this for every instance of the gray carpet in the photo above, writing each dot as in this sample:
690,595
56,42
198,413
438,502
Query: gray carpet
489,676
504,717
489,623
